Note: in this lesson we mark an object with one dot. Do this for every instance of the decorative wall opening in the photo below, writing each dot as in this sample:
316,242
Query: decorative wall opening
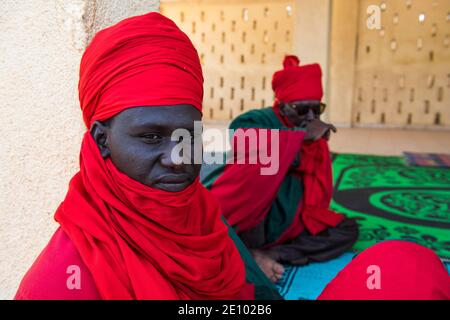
241,44
402,69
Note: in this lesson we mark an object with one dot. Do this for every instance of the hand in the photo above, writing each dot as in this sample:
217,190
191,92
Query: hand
317,129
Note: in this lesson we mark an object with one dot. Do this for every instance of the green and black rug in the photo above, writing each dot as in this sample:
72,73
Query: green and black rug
392,200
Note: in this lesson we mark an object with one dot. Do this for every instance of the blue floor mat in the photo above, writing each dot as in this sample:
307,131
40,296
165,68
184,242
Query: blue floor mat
307,282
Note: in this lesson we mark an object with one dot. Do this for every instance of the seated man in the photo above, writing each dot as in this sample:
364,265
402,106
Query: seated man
285,217
135,224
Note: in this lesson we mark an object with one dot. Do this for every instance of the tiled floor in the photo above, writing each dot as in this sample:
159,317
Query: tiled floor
368,141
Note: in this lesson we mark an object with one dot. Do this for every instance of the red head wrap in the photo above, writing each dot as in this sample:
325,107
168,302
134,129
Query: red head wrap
296,82
141,61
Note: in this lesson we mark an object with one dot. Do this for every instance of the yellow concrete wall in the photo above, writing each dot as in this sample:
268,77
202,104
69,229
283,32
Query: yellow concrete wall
40,123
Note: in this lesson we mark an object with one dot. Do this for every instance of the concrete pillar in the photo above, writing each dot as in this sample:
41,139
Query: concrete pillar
311,35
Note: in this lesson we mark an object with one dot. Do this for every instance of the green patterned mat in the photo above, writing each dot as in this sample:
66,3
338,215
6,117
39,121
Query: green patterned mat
392,200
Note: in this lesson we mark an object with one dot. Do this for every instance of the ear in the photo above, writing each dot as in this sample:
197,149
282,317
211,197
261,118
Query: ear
99,131
282,108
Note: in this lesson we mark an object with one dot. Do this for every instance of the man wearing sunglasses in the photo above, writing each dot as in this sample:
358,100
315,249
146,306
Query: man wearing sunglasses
285,218
303,112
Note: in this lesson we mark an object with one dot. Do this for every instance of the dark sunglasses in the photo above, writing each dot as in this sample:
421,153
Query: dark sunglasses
302,108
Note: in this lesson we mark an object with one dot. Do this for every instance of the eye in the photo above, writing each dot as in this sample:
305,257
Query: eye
151,138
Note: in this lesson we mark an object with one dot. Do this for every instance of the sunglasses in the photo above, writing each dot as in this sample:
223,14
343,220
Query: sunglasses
302,108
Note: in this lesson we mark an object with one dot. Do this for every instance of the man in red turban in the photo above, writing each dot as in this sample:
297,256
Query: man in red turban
285,217
135,224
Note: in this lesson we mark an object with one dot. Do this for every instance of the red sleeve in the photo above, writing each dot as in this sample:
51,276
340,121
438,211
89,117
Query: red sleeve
244,192
247,292
58,274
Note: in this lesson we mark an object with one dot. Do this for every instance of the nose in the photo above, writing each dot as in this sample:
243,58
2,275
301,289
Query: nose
170,157
310,115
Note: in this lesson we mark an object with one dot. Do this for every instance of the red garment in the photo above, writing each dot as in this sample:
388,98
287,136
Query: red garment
48,276
244,208
315,172
244,194
295,82
391,270
143,243
313,213
141,61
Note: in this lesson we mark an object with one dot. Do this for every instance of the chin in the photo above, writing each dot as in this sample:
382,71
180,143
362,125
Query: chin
303,124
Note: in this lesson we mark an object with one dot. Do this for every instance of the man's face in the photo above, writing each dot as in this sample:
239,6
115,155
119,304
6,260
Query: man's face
301,112
138,140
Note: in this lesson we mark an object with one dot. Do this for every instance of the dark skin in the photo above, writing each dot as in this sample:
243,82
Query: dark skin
315,128
138,141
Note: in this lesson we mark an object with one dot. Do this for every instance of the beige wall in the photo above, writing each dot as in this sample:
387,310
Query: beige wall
41,127
402,70
311,36
273,29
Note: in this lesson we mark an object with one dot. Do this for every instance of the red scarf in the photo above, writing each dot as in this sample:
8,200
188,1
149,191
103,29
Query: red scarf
143,243
245,209
292,83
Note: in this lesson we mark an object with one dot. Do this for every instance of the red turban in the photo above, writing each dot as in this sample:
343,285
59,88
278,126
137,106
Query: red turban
141,61
296,82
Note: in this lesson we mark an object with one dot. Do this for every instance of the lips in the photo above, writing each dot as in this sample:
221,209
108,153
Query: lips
173,179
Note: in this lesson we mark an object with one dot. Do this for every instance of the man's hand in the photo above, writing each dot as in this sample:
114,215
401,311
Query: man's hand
317,129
